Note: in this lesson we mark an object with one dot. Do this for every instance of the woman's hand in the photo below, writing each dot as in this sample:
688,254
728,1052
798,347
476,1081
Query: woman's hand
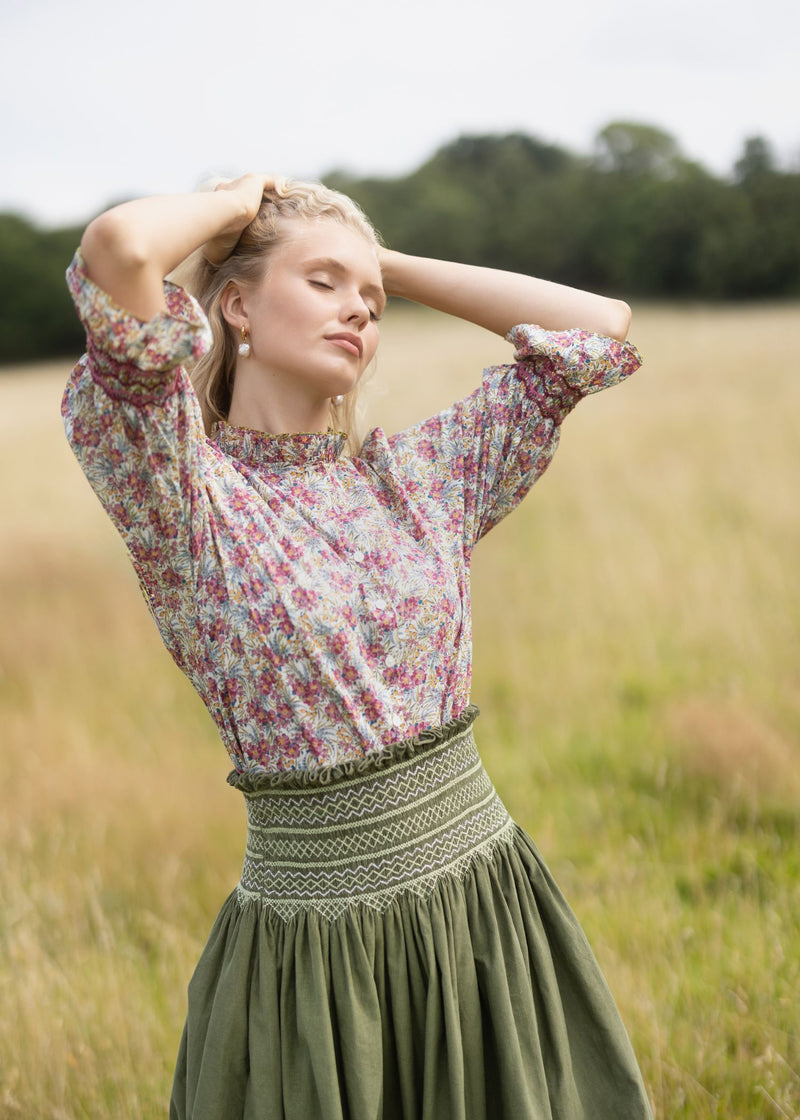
249,191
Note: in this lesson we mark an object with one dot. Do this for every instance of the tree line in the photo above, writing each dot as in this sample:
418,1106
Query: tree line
634,218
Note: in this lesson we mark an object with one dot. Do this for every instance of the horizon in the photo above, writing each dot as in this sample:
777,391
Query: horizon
784,162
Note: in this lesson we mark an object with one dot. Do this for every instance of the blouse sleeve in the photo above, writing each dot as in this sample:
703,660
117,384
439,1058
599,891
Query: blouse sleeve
134,423
479,458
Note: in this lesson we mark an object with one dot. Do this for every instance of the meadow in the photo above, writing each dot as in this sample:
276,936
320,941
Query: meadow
637,663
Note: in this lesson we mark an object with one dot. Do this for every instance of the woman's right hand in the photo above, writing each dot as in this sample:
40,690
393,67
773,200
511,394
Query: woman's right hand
249,190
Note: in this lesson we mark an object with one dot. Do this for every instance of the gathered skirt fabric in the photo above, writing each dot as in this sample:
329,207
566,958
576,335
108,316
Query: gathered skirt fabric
397,950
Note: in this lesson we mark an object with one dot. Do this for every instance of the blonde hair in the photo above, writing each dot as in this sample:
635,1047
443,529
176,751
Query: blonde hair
288,200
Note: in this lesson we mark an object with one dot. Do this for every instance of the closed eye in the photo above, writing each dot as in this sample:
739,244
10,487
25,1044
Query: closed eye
325,286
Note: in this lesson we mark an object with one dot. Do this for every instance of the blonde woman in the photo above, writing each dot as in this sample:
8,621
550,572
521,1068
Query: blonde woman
396,947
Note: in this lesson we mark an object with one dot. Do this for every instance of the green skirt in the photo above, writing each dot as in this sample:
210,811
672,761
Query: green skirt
397,950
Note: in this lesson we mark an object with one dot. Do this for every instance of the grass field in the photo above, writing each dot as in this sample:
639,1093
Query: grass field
637,661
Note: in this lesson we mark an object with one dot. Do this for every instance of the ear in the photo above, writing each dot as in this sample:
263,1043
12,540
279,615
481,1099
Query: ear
231,305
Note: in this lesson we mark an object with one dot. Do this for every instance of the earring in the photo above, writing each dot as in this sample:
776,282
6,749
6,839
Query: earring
244,345
337,400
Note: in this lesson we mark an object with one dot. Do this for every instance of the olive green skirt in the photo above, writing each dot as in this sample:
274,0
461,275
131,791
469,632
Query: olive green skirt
396,948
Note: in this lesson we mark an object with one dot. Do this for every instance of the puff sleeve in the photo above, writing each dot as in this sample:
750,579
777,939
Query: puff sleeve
133,420
480,457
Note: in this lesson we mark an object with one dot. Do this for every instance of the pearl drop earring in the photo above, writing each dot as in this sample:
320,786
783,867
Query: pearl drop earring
337,400
244,345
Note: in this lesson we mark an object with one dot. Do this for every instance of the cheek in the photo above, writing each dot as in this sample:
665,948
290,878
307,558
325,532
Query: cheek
371,346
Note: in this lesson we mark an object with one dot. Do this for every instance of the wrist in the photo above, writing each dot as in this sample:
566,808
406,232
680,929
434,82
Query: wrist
391,263
234,210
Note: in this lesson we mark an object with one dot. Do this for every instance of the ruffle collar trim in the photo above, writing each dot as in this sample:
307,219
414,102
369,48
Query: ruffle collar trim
289,449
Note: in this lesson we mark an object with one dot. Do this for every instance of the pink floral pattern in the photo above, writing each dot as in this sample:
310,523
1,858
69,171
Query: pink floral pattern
319,604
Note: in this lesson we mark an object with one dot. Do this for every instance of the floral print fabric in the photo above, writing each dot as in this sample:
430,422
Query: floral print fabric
319,604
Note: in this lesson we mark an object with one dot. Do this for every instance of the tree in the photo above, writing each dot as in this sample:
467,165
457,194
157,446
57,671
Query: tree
37,319
634,218
755,163
634,150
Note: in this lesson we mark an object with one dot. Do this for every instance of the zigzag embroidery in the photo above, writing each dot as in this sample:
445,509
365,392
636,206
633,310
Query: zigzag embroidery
299,847
368,840
341,805
423,886
329,854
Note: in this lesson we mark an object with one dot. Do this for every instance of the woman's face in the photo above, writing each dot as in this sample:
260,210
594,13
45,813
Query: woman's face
313,317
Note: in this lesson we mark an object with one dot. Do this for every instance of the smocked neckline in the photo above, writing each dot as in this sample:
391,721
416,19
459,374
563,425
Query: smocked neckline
288,449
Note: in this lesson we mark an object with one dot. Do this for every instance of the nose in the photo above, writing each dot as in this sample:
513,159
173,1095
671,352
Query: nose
355,311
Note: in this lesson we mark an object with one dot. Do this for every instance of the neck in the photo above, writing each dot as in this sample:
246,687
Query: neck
276,412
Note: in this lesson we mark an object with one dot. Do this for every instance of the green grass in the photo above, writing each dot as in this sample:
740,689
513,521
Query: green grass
637,629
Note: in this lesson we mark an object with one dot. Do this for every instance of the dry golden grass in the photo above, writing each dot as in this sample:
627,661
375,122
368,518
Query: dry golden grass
636,657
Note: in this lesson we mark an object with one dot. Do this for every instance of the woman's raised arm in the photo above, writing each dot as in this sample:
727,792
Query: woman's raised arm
500,300
128,250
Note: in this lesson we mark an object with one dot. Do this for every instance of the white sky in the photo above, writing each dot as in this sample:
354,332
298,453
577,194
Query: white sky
100,102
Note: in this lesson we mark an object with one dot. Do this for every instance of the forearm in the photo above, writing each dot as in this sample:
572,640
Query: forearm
499,300
129,250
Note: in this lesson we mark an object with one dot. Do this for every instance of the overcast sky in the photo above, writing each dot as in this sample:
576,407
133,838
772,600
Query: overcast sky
97,105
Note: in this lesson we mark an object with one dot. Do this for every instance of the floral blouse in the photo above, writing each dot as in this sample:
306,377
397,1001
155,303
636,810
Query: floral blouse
318,603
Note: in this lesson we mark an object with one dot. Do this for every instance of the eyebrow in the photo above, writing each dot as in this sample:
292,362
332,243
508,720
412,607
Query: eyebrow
331,264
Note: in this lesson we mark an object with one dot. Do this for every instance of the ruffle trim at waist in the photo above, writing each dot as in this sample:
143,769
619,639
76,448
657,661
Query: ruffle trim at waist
259,779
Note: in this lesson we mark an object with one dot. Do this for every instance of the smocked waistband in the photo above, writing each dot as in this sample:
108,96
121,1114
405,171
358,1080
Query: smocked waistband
394,823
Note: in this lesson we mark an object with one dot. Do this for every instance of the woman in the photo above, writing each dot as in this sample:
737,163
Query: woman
396,947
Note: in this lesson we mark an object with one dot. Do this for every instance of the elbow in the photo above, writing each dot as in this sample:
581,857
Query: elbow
619,320
110,238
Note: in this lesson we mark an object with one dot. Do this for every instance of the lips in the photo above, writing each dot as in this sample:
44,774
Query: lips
350,342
